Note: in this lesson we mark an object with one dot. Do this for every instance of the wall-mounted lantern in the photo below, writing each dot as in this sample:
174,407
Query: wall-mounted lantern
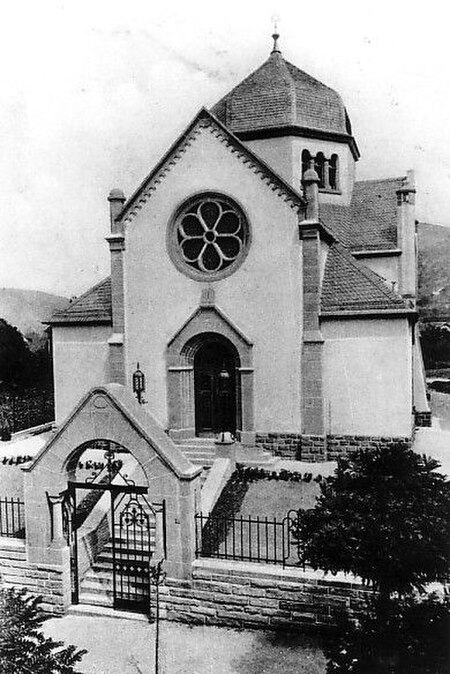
139,384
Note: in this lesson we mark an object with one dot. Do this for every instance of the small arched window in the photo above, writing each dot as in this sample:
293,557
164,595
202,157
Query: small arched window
319,165
306,161
333,172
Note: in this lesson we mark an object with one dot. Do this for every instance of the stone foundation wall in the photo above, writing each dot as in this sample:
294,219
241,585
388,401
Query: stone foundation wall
314,448
45,581
237,594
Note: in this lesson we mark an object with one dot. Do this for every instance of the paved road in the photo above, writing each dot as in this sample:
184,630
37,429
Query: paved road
120,646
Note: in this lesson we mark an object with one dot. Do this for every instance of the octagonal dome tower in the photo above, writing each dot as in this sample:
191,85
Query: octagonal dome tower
293,121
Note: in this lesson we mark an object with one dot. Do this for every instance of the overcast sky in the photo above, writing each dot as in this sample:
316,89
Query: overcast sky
92,93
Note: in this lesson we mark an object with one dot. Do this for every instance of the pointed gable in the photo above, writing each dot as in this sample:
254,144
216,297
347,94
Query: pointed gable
205,120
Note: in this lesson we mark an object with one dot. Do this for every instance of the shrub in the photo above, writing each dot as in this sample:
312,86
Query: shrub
412,638
23,647
383,516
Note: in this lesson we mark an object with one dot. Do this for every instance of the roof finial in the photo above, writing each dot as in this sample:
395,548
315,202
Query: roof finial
275,35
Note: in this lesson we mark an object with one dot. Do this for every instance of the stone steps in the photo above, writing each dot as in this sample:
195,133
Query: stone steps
199,451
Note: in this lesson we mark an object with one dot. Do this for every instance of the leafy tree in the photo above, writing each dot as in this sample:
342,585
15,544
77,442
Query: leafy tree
23,647
435,342
383,516
15,356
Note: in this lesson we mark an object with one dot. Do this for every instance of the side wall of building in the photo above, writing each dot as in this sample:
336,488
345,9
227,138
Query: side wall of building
80,357
368,377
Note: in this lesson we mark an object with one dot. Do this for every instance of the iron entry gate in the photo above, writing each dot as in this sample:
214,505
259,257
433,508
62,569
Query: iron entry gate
135,527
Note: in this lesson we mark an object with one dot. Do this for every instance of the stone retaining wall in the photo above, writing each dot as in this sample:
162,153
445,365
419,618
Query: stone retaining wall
299,447
45,581
239,594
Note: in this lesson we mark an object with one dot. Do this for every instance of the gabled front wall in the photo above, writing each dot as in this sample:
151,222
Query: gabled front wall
262,298
368,376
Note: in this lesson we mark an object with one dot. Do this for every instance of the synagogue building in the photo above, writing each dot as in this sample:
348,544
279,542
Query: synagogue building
259,287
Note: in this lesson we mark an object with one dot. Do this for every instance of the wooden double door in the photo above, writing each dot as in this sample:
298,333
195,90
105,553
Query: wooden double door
215,389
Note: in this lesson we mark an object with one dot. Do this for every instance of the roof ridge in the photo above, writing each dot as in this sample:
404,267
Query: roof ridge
309,77
380,180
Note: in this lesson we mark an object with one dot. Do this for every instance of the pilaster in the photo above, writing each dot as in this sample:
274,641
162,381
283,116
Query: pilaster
312,348
116,241
406,238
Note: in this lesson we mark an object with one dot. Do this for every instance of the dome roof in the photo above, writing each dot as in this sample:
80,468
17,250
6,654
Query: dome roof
278,94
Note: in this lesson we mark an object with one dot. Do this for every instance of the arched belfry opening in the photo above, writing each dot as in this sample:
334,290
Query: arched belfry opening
210,378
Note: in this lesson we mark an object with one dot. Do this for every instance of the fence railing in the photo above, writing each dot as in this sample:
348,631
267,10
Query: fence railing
12,518
249,539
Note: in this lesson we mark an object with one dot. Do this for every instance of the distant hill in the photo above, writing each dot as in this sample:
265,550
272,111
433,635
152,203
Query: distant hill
434,269
26,309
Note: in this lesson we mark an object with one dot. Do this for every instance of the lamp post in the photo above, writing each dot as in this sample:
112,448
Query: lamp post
139,384
157,577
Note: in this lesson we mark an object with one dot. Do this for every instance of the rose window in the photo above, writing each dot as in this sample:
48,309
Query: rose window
211,236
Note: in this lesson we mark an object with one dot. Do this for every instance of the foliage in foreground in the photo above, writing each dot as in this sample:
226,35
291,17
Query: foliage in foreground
23,647
383,516
411,639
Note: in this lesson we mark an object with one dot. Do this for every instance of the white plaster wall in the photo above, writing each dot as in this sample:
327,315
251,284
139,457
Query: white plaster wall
279,154
262,297
80,361
386,267
368,376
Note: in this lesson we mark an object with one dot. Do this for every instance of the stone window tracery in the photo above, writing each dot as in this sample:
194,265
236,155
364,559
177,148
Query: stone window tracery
209,237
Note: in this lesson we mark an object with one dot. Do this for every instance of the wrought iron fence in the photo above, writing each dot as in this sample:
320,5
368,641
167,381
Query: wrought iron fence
22,410
12,518
249,539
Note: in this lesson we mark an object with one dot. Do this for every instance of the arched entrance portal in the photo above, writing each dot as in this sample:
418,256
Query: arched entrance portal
210,377
216,394
111,527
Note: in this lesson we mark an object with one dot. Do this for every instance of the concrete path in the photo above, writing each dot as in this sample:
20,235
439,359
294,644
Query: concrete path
119,646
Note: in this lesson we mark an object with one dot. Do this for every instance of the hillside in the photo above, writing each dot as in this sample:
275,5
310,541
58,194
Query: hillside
434,269
26,309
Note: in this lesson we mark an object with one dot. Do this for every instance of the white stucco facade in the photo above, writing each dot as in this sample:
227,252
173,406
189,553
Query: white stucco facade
80,361
368,377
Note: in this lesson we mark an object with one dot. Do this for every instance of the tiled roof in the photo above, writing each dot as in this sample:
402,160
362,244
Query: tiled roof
280,94
370,222
94,307
351,286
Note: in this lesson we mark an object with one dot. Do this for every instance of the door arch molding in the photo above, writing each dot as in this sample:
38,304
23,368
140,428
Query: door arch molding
205,322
